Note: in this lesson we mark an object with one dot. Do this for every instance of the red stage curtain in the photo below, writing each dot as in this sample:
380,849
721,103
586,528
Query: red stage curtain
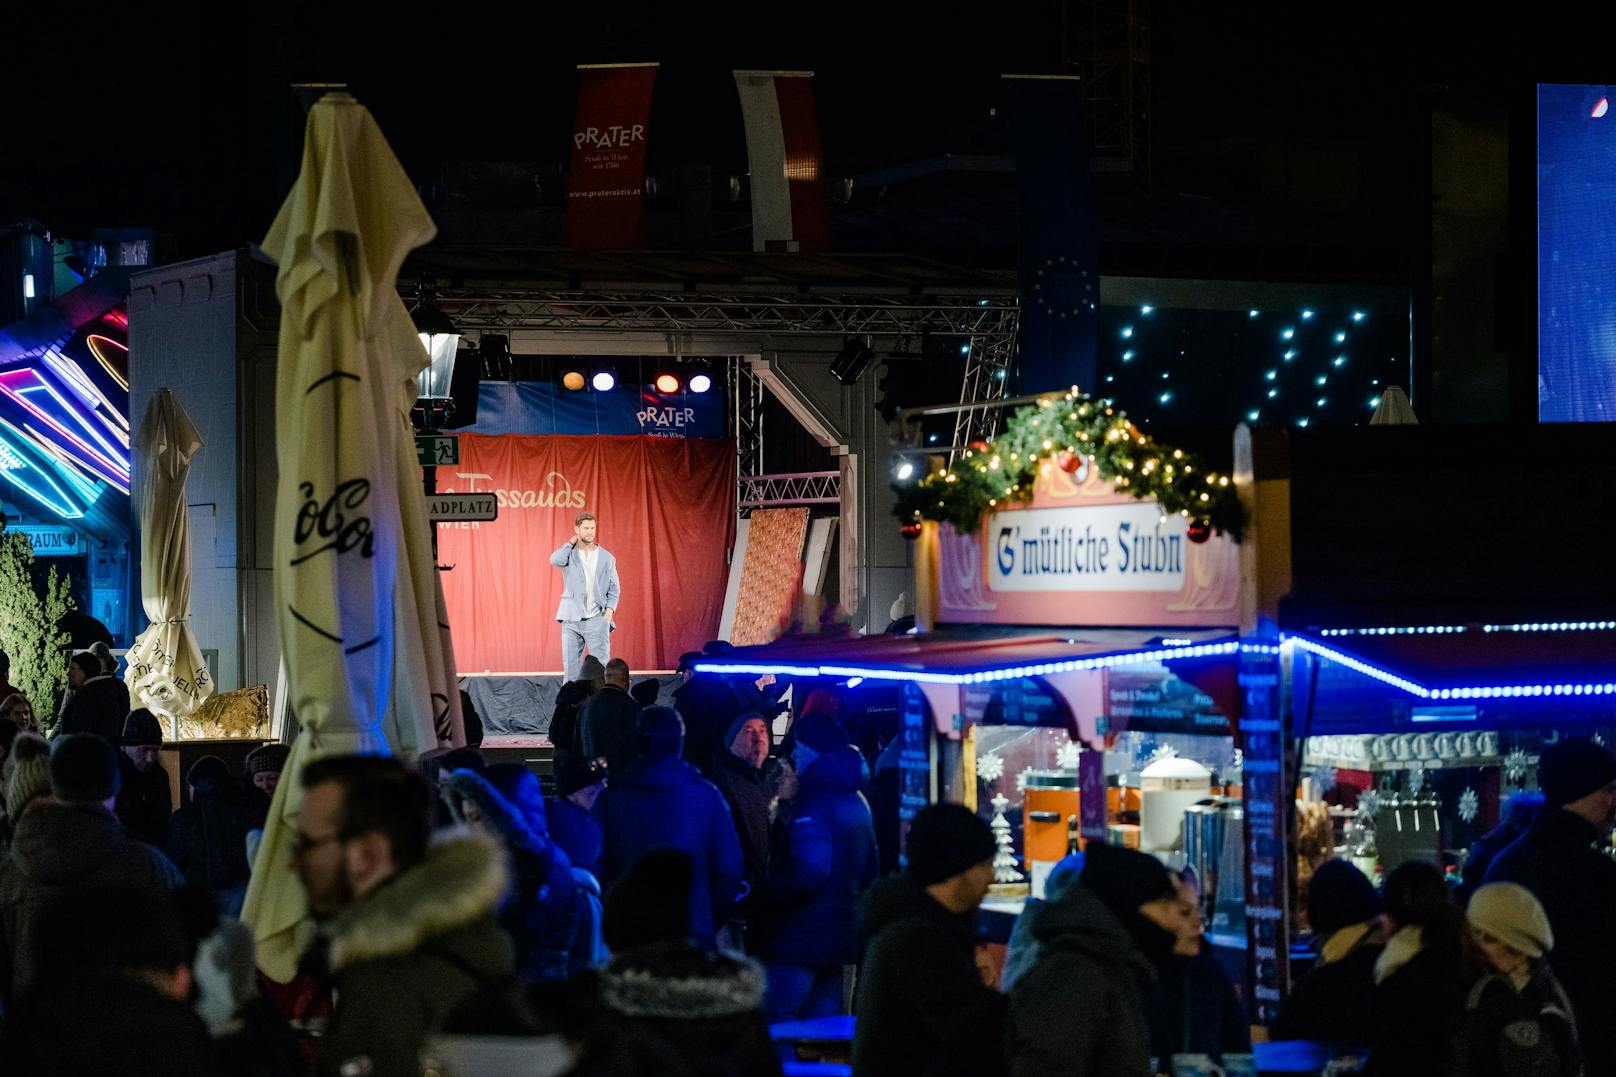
667,513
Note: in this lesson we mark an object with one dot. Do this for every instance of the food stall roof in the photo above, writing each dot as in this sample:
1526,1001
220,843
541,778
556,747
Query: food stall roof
1482,661
935,658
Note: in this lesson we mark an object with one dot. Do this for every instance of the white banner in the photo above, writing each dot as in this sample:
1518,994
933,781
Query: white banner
1094,548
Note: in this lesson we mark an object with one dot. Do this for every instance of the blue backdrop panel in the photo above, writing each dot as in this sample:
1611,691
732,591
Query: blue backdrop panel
541,407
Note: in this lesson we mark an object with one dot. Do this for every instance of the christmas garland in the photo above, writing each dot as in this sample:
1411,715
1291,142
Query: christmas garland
1064,430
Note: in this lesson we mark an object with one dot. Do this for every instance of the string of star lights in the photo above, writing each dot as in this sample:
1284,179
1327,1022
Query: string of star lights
1067,430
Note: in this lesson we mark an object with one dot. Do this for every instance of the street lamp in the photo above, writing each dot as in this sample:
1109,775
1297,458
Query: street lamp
441,340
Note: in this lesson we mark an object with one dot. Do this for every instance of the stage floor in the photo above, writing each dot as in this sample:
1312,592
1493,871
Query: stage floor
520,705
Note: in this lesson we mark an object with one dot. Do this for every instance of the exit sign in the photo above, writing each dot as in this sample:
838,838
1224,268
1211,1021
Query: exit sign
435,449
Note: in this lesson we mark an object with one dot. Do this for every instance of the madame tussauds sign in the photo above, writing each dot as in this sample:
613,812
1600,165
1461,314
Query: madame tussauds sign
1093,548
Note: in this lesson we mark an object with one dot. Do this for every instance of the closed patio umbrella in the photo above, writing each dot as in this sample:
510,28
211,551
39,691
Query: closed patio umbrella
363,633
165,671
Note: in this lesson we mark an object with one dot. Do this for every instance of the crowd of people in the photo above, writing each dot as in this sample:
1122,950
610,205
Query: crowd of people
688,882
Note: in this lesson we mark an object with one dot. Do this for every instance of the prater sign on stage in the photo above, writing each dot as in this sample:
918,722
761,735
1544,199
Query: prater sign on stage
454,507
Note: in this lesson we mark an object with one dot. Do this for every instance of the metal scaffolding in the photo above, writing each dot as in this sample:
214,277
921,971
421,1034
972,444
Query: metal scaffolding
1107,42
779,491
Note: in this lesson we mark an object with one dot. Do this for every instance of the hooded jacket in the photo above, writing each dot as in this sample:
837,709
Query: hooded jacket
540,911
1557,861
664,803
825,858
747,794
922,1008
58,849
411,951
1081,1009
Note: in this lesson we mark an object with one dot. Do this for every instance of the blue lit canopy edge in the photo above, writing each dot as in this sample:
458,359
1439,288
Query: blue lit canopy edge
1377,683
928,659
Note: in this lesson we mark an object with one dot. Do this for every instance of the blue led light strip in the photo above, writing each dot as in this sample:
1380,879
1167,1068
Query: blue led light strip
1414,688
1040,669
1446,630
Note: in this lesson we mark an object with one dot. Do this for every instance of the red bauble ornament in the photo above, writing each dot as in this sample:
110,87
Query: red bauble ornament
1199,531
979,446
1070,462
911,530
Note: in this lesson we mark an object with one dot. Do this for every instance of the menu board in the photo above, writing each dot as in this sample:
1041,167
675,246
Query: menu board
1153,699
915,785
1020,702
1268,860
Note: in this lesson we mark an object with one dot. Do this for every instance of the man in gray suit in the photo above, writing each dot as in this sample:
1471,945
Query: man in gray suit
589,598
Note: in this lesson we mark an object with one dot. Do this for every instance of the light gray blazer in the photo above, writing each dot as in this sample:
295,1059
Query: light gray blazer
576,588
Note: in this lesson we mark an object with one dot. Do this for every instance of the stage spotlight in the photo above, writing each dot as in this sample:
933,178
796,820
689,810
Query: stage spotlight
574,380
852,361
699,383
667,384
604,381
906,471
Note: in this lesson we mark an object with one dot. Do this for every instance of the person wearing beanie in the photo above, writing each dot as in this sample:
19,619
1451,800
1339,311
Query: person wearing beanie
99,701
207,838
1084,1007
738,773
662,802
24,781
144,798
1517,1019
606,720
1333,1001
65,846
579,785
1575,882
265,764
922,1007
824,858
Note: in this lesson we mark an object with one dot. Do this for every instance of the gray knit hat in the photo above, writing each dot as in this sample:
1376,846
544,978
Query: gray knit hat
26,773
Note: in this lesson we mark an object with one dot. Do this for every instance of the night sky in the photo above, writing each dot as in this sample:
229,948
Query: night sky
177,115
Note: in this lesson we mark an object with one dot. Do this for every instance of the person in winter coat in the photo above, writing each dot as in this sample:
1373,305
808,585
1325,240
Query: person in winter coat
407,928
1520,811
144,798
1517,1021
69,846
1022,950
1083,1007
707,705
606,720
1422,976
1333,1002
573,825
664,803
565,736
539,912
99,703
113,994
922,1008
738,773
825,859
207,839
24,781
1195,1009
1576,883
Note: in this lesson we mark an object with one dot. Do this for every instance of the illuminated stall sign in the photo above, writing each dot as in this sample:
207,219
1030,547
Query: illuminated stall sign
1155,699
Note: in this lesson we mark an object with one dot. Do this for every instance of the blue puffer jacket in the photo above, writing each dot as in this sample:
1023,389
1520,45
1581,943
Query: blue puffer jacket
540,911
665,803
824,857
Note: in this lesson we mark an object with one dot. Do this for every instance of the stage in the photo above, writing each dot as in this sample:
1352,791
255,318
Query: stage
520,705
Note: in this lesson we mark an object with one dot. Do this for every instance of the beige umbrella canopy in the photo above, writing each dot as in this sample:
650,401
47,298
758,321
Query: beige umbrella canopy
166,673
363,634
1393,409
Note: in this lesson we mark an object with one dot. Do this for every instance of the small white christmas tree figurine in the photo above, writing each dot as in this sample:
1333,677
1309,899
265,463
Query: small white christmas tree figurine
1004,861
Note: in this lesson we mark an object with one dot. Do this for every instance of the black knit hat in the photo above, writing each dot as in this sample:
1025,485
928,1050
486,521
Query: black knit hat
1338,896
737,723
1572,769
578,773
945,840
1125,879
83,769
141,729
661,731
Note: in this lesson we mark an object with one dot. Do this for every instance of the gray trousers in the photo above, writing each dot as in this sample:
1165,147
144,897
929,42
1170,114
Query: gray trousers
592,633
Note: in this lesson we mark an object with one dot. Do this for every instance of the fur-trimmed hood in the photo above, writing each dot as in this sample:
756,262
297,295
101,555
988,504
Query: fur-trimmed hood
680,982
461,880
505,818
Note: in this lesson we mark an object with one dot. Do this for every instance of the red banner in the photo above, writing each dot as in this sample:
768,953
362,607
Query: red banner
606,180
666,511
